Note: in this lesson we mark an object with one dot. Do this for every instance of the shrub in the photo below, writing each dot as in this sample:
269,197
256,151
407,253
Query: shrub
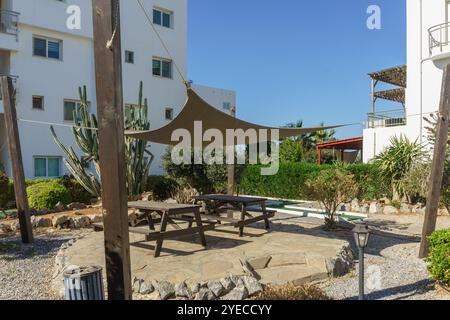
77,192
46,195
291,292
332,188
4,188
439,257
161,187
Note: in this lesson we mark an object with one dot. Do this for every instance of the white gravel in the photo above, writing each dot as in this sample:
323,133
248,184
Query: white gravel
393,272
26,270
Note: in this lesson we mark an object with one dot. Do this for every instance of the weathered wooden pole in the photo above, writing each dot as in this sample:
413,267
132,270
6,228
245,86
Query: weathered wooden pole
108,74
437,170
15,151
231,167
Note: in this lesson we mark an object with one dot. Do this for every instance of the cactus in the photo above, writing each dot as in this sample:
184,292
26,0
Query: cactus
138,156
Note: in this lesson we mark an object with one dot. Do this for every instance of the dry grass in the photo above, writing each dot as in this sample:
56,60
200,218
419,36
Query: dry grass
292,292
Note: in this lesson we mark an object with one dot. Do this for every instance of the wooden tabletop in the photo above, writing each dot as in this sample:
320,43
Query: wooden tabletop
227,198
159,206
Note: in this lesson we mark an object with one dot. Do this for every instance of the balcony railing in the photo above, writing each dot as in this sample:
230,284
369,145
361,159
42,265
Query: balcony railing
386,119
9,22
14,80
439,36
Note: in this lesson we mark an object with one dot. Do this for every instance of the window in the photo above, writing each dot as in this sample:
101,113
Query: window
162,18
162,68
227,106
47,48
47,167
129,56
71,107
169,114
38,103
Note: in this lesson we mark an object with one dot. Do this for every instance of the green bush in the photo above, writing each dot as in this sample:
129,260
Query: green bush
4,190
439,258
161,187
46,195
290,181
76,190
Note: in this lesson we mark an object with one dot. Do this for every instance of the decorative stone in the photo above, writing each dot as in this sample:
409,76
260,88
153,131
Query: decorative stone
260,263
137,285
237,280
375,208
341,264
146,288
216,288
354,205
227,284
60,207
6,228
60,222
76,206
182,290
443,212
80,222
365,208
15,225
205,294
237,294
195,288
96,218
405,208
43,222
390,210
166,290
253,286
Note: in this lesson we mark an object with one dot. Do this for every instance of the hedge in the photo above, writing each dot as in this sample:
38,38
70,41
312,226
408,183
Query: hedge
46,195
439,257
290,180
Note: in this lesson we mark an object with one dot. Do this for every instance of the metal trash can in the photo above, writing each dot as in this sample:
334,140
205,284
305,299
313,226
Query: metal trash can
84,283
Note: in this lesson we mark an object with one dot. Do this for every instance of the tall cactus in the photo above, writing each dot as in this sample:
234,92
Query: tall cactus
138,156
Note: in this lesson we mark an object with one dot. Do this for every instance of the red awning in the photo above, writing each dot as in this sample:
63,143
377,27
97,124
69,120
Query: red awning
347,144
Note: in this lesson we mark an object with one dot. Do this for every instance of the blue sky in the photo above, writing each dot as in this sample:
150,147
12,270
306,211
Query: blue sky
295,59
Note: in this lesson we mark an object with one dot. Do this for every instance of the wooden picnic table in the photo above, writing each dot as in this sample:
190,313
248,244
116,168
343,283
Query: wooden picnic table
220,204
168,213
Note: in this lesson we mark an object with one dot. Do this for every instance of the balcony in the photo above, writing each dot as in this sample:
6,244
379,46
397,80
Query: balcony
439,40
386,119
9,30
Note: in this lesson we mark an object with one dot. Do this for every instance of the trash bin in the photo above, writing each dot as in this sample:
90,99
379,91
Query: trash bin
83,283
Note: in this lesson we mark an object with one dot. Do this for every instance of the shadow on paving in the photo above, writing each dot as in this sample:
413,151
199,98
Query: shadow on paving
400,292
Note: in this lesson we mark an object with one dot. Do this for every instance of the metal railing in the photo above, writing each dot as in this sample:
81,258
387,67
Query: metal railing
439,36
14,80
9,22
386,119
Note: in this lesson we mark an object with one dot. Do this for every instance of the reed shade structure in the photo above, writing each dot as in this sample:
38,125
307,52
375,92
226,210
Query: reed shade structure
196,109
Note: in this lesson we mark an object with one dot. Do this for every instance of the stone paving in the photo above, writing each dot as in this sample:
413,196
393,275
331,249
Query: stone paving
295,250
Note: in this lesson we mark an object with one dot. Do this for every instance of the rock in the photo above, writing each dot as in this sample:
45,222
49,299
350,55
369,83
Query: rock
6,228
237,294
354,205
33,221
390,210
171,201
405,208
260,263
166,289
341,264
195,288
344,207
60,222
216,288
227,284
253,286
76,206
148,196
60,207
137,285
365,208
80,222
43,222
375,208
443,212
153,296
205,294
248,269
237,280
15,225
96,218
146,288
421,211
182,290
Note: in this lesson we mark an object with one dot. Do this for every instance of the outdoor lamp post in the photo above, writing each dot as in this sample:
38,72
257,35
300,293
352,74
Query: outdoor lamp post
361,233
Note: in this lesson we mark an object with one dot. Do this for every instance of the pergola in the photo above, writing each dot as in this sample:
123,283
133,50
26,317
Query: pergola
340,145
395,76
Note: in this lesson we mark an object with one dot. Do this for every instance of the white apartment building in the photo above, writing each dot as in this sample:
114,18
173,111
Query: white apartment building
428,51
50,61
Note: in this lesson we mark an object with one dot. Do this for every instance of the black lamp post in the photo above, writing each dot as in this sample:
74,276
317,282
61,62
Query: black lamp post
361,233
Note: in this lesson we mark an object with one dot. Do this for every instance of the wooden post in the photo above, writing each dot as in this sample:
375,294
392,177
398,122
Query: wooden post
108,73
437,170
231,167
15,152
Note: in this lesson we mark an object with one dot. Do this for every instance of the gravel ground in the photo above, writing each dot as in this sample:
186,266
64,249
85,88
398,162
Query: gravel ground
26,270
393,272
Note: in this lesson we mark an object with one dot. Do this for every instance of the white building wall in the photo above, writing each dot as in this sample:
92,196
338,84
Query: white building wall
424,76
59,80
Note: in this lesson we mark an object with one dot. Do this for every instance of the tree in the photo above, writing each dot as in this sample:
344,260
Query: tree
332,188
138,156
